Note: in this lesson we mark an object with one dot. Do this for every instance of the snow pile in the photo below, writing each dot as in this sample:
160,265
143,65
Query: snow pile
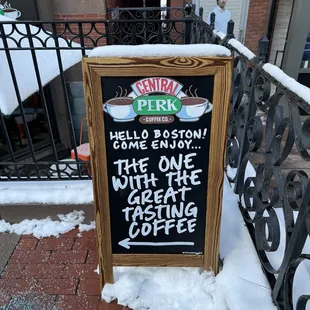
48,227
23,64
87,227
160,50
162,288
241,49
241,285
288,82
75,192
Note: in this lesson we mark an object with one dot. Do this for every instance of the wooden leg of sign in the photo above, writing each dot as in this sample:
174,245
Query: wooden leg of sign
216,168
100,179
105,262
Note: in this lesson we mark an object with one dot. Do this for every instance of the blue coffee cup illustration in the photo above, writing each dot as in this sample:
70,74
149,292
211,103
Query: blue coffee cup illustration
120,109
193,108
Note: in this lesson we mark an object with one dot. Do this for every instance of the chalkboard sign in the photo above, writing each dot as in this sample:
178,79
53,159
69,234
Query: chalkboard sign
157,138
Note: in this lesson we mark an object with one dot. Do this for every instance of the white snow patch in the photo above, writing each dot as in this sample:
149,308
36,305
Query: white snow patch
160,50
241,285
162,288
219,34
47,227
87,227
23,63
43,192
231,172
241,49
288,82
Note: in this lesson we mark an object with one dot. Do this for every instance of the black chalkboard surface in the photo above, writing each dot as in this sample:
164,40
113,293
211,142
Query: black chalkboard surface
157,133
157,129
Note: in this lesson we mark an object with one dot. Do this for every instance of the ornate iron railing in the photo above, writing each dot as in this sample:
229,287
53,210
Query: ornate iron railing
40,153
145,13
268,164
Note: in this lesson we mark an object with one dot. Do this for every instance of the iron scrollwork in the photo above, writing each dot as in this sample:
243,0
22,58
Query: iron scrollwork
266,135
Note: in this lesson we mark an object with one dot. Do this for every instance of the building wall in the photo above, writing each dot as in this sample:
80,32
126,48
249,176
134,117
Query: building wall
280,30
177,3
258,18
68,9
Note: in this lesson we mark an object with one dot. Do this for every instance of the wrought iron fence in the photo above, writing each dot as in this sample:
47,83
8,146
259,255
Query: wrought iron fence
268,164
39,139
146,13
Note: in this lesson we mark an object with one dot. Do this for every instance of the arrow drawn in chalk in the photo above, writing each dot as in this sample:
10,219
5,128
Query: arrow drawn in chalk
126,243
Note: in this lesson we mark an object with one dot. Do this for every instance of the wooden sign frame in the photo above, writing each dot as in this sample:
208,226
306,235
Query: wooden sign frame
93,70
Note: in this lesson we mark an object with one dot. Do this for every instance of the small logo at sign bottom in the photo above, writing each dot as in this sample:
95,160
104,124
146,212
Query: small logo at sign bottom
156,119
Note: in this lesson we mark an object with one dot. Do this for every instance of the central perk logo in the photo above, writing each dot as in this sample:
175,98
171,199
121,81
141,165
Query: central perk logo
157,100
157,105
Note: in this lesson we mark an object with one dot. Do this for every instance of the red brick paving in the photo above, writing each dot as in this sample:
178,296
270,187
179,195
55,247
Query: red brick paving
92,257
53,274
53,244
27,244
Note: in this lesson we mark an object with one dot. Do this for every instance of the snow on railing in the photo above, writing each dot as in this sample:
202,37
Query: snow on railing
300,90
238,46
282,80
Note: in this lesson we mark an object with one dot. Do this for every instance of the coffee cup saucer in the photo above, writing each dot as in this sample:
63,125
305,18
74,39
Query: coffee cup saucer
195,119
122,120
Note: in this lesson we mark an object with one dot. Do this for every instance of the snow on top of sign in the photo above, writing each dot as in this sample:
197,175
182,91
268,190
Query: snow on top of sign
288,82
47,227
241,49
23,63
158,50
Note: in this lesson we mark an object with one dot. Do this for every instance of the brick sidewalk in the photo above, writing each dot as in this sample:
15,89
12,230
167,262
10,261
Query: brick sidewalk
53,274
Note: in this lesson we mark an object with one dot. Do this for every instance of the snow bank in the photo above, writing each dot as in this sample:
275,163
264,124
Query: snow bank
288,82
75,192
47,227
157,50
241,285
241,49
162,288
23,64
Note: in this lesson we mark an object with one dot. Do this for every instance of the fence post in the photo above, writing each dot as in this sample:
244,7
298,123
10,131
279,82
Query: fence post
188,31
212,20
230,29
188,9
201,13
263,47
188,12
